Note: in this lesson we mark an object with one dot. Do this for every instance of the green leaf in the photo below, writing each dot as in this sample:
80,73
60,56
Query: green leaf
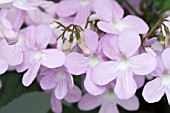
33,102
12,87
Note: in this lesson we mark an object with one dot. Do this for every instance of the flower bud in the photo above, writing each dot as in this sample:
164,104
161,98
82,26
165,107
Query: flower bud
86,51
66,46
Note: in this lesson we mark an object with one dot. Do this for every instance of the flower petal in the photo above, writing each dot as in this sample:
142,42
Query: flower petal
153,90
82,15
108,107
107,27
125,85
110,47
73,95
31,74
140,80
3,65
19,20
104,73
136,23
12,53
89,102
142,64
56,104
76,63
92,88
130,104
166,58
5,1
23,5
168,94
128,43
43,35
67,8
53,58
107,12
118,11
48,81
61,89
91,40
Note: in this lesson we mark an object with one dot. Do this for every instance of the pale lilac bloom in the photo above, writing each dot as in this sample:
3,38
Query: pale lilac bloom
126,63
108,102
78,64
112,20
58,80
23,4
13,53
80,8
73,95
13,36
10,30
155,89
37,39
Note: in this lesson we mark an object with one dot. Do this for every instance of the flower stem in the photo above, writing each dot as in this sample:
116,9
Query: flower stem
160,21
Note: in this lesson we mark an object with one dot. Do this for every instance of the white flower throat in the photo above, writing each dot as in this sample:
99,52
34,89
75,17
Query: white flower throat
124,64
94,61
84,2
166,78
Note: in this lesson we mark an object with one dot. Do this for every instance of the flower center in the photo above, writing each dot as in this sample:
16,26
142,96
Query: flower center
20,41
109,95
124,64
84,2
61,75
94,61
118,25
166,79
38,55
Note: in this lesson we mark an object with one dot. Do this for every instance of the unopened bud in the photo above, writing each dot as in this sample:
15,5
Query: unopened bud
66,46
86,51
11,37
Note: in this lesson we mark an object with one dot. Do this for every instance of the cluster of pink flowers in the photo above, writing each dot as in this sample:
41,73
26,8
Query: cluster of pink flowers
111,58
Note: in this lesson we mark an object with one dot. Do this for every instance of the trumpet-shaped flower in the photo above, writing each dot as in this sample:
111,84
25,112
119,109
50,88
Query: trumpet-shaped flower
123,50
37,39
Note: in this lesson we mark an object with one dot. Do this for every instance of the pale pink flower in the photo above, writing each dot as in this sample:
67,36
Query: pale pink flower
9,30
112,20
126,63
155,89
37,39
58,80
78,64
